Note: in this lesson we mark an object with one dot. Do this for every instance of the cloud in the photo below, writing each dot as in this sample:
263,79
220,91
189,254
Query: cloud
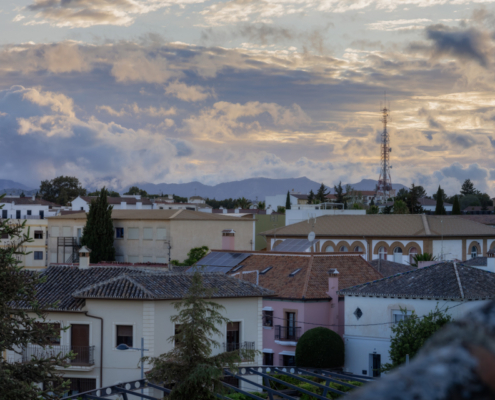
187,93
400,24
457,171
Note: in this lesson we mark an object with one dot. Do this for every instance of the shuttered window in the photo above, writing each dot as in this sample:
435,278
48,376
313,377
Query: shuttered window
148,233
55,231
133,233
147,259
66,231
161,234
124,335
133,259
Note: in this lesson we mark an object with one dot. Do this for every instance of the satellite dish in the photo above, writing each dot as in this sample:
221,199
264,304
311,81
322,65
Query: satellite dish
311,236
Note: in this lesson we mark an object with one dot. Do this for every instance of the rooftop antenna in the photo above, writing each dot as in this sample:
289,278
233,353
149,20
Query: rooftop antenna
384,185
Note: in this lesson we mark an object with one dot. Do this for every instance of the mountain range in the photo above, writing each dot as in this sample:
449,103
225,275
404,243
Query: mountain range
253,188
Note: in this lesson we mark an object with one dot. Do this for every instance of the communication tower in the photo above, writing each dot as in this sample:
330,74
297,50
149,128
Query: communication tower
384,186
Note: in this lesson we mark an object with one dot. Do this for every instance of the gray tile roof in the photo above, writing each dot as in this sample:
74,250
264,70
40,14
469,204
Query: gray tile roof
437,281
62,283
168,285
476,262
388,268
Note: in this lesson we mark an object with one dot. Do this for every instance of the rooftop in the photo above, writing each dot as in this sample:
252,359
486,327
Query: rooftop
388,225
388,268
156,215
486,219
118,200
445,280
70,286
28,200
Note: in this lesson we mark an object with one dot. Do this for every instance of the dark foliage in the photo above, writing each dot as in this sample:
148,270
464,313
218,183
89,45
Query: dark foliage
440,195
61,190
287,201
320,348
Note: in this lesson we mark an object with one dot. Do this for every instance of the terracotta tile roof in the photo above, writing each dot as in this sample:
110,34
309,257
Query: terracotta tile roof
118,200
158,215
438,281
28,200
380,225
389,268
311,282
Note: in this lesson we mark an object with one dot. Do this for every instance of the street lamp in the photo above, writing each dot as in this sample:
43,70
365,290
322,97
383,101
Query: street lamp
123,346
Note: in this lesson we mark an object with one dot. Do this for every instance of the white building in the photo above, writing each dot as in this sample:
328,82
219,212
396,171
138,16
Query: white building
106,306
279,200
372,308
124,202
16,207
195,203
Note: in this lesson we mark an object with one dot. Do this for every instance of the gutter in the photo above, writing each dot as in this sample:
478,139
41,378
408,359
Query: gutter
101,345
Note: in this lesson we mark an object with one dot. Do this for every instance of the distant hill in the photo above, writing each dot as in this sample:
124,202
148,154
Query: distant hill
15,188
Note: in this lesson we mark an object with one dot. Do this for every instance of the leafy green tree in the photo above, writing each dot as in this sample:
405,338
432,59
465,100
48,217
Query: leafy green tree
311,197
22,195
320,348
341,197
456,207
261,205
415,193
190,366
243,203
357,206
400,207
440,209
467,188
402,194
193,256
180,199
321,194
61,190
387,209
281,209
37,378
216,204
287,201
470,200
410,334
372,202
98,233
422,257
110,193
372,210
134,190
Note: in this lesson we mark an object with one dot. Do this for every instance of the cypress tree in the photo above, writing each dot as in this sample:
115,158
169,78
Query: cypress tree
98,233
456,207
287,202
440,209
311,197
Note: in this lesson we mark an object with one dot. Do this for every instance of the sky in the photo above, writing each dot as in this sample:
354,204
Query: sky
122,91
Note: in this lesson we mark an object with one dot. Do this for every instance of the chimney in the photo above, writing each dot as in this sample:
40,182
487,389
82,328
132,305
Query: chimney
139,205
228,239
138,197
123,205
333,287
33,197
84,257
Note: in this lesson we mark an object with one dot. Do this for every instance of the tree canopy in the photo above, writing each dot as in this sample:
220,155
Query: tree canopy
193,256
61,190
98,233
311,197
190,366
467,188
287,201
36,378
400,207
110,193
440,196
415,193
134,190
321,194
340,195
243,203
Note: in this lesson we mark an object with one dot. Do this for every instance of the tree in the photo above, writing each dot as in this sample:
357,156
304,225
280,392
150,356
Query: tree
261,205
134,190
243,203
320,348
321,194
193,256
467,188
37,378
22,195
415,193
61,190
456,207
190,366
440,209
287,201
180,199
357,206
400,207
470,200
409,334
402,194
281,209
372,202
422,257
339,194
110,193
98,233
311,197
387,209
372,210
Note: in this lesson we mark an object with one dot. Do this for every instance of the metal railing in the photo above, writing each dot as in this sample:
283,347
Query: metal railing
287,332
84,355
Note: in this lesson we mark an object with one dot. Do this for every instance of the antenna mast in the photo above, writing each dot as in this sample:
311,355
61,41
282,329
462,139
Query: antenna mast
384,185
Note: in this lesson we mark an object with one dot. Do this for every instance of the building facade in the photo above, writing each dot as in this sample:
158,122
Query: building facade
124,202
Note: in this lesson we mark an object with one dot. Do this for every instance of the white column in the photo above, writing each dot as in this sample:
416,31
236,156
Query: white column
149,335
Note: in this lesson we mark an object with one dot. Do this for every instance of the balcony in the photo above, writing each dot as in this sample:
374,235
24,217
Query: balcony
240,346
84,355
289,333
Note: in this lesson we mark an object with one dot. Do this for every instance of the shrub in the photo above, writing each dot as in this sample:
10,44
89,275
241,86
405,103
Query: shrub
320,348
240,396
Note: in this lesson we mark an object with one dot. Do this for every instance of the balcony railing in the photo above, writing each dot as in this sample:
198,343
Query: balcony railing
84,355
292,333
240,346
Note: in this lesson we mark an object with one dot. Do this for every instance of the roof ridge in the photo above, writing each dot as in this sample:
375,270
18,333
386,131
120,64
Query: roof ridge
125,275
458,280
425,224
130,278
308,275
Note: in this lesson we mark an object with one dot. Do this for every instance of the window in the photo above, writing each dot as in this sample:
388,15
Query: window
66,231
38,234
4,214
237,268
343,249
397,250
133,233
82,208
375,364
267,318
148,233
412,252
398,315
233,336
382,253
265,270
4,236
81,385
124,335
55,231
329,249
161,234
147,259
38,255
294,272
53,339
358,248
161,260
267,358
42,214
474,252
291,325
28,212
119,233
288,361
133,259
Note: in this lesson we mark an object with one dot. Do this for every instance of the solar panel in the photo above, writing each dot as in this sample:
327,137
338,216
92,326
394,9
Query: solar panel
209,268
219,259
294,245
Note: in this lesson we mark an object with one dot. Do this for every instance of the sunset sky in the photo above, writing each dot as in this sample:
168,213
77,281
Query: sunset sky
124,91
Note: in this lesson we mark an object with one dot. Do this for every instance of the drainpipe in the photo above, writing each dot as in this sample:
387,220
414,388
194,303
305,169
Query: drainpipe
101,346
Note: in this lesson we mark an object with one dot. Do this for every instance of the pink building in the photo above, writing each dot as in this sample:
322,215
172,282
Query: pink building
305,286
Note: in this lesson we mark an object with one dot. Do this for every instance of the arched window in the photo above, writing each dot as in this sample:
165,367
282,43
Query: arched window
329,249
358,248
382,253
398,255
343,249
397,250
412,252
474,252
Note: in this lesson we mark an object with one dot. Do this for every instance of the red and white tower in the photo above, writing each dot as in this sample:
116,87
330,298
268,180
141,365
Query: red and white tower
384,186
